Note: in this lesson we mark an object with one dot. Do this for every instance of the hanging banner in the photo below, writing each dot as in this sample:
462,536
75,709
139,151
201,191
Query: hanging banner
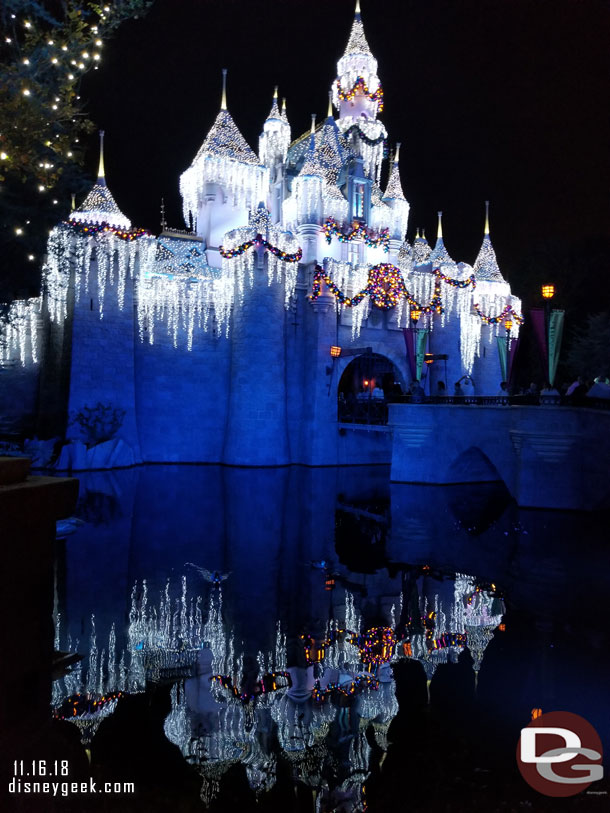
507,358
556,319
501,341
409,342
537,317
421,342
514,346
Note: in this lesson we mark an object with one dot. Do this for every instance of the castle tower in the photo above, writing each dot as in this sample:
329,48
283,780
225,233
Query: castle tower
99,206
100,305
395,198
358,96
274,140
224,181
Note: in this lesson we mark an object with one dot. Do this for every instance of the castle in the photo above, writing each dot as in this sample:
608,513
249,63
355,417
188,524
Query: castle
216,342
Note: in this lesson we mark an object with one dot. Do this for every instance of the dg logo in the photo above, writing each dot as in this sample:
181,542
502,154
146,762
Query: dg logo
560,754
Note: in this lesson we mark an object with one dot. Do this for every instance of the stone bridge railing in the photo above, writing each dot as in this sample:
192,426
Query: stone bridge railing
549,456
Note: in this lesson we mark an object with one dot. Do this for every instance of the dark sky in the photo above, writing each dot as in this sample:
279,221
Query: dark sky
498,99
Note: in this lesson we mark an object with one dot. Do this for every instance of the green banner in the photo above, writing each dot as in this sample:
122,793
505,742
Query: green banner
556,319
503,354
421,340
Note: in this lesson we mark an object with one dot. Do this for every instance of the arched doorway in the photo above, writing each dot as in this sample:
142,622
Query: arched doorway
364,388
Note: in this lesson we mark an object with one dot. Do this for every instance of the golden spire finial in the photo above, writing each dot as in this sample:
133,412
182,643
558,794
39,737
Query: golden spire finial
313,124
223,102
439,231
397,153
100,171
486,217
417,234
73,202
357,7
330,103
275,92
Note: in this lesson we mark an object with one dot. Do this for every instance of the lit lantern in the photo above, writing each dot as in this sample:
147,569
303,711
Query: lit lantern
508,324
415,314
335,352
429,358
548,291
536,713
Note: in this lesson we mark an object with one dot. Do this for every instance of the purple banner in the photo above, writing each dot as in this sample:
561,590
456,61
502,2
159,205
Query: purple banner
537,317
409,342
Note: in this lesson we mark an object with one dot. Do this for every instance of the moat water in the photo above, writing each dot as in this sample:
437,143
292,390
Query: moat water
318,639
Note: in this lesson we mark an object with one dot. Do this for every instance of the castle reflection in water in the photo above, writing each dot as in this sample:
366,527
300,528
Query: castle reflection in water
279,603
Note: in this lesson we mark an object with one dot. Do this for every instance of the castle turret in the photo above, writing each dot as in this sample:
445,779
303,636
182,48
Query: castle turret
224,181
358,95
274,140
99,206
305,204
439,256
486,265
421,249
394,197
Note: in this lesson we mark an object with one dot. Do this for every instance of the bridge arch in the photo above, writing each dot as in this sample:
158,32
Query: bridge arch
472,466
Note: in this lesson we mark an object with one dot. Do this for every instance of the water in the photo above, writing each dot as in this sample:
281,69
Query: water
230,609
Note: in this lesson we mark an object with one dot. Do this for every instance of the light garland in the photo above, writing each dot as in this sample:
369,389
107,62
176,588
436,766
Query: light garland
507,312
358,231
259,240
386,287
81,226
360,87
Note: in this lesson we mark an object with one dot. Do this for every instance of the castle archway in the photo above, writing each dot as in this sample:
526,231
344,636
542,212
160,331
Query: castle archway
365,386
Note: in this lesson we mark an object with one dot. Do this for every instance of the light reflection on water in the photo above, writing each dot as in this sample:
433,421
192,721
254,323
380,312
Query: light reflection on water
280,603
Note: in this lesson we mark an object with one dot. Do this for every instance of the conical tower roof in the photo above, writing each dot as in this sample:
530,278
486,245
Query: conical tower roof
330,154
225,141
99,206
421,249
439,255
274,113
486,265
357,60
311,165
357,43
394,188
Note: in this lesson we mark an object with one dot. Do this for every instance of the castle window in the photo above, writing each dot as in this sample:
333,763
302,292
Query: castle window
358,201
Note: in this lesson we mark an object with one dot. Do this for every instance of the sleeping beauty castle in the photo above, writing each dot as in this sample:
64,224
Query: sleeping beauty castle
292,292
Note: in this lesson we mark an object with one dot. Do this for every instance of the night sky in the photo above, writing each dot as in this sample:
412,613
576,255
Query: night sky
504,100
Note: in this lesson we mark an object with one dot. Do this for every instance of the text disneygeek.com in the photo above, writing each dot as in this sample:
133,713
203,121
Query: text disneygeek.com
17,786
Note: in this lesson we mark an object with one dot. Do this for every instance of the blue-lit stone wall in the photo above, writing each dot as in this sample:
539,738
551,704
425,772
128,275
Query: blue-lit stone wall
102,368
265,395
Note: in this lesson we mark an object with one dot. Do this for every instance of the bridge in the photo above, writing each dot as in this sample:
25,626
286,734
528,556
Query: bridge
548,456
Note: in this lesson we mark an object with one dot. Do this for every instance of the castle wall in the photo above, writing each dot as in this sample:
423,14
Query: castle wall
102,362
256,433
182,397
266,395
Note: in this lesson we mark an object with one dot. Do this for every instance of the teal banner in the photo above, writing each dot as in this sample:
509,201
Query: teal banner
556,319
503,354
421,341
